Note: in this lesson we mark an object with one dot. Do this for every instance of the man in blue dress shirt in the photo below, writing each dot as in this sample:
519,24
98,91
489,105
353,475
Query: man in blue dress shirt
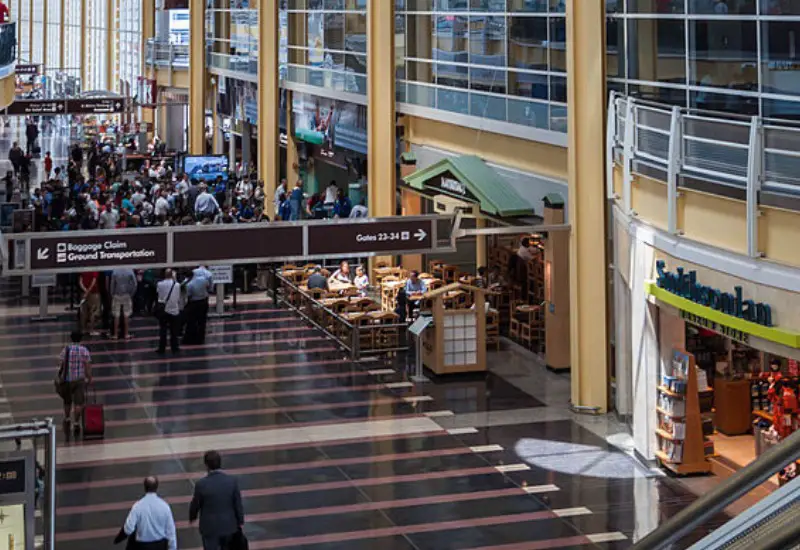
150,521
196,311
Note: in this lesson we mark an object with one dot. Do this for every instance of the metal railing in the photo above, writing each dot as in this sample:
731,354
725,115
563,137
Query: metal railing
727,492
8,48
163,54
753,159
358,340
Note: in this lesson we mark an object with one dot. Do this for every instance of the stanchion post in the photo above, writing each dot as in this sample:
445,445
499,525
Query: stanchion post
220,304
44,296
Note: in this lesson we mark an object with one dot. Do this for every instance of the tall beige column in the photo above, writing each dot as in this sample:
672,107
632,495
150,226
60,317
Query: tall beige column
44,35
587,204
381,109
292,159
62,35
268,100
84,29
111,53
148,32
197,77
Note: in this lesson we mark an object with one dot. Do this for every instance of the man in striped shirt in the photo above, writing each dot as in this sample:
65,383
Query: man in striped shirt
76,365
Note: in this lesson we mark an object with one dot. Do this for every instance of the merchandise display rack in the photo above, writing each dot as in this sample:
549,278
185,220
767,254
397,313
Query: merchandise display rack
683,449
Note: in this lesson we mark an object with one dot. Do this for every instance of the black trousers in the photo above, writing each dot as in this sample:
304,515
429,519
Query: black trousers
173,324
196,317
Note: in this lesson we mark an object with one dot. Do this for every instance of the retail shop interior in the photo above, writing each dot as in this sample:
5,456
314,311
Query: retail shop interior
720,399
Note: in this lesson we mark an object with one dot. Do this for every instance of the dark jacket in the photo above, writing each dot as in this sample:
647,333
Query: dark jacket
218,502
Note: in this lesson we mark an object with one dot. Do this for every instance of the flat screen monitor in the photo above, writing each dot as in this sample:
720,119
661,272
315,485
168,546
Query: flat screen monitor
206,168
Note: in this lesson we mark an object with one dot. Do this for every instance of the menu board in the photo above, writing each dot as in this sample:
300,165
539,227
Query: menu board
12,527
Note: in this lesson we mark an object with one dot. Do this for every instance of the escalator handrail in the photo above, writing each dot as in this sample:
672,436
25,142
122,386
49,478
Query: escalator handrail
780,539
715,501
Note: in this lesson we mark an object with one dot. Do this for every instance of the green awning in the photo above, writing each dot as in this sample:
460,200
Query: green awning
470,179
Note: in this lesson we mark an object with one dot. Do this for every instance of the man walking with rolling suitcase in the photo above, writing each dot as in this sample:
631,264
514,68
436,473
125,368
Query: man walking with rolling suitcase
218,502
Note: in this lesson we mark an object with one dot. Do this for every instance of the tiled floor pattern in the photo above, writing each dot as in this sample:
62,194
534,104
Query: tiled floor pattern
329,454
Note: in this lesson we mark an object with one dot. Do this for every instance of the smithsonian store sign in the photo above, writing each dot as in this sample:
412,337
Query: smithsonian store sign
727,313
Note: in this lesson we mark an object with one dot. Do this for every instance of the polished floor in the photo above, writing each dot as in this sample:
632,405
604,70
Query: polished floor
332,454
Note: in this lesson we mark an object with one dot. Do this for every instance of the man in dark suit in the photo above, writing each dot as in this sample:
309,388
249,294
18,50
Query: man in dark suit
218,502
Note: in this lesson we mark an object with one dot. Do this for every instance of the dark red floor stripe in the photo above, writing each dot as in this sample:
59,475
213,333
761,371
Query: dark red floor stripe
295,489
270,468
254,449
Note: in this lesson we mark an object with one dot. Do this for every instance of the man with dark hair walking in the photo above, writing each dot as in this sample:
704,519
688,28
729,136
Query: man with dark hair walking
218,502
150,521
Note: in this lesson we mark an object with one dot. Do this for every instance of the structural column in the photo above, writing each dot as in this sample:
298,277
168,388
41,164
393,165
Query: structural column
148,31
84,30
62,36
587,204
381,109
197,77
268,100
292,160
44,36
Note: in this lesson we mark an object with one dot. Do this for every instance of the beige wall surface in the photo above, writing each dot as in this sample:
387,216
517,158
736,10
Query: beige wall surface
7,90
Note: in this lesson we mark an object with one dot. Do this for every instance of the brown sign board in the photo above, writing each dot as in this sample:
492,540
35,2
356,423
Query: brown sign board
255,242
100,251
86,106
36,107
370,237
26,70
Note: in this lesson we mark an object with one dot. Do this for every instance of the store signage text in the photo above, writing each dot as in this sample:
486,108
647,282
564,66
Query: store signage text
686,286
732,333
454,186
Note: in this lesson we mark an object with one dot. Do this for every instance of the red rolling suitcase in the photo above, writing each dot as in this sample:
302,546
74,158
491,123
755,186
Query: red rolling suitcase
94,422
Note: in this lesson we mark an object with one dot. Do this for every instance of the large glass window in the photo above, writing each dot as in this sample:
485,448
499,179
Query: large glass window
498,59
725,55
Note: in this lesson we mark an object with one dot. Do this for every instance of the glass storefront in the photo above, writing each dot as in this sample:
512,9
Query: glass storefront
498,59
740,56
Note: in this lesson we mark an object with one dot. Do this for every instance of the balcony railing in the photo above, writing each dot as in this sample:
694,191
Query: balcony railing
752,159
163,54
8,48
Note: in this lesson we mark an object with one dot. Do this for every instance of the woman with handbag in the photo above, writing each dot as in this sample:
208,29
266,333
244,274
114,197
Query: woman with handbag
74,373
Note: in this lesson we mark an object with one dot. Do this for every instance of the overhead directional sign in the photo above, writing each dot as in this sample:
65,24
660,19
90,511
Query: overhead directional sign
99,251
371,237
84,106
70,252
253,242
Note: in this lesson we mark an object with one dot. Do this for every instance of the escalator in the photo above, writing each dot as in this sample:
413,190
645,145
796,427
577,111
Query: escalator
771,524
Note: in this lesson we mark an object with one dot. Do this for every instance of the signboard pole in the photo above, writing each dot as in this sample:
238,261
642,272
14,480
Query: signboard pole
43,299
50,484
26,286
219,304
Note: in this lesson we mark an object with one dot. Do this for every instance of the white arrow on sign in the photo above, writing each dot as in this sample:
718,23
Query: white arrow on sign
42,253
420,235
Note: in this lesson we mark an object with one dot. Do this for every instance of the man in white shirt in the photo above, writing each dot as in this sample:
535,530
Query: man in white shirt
162,205
150,521
331,193
206,204
182,186
524,252
282,189
244,189
138,197
169,300
109,217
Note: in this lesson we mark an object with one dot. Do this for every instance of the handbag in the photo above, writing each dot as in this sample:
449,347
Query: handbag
238,541
160,309
61,377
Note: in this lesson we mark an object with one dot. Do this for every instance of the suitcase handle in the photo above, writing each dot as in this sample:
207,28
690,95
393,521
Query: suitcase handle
91,394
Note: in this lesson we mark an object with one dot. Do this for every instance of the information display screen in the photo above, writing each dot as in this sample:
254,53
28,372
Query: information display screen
12,527
12,476
206,168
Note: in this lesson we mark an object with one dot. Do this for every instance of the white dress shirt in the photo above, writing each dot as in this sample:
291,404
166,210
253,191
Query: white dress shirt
151,519
206,204
173,305
162,207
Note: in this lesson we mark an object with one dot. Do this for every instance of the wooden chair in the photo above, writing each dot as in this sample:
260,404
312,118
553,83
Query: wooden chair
433,284
435,267
371,307
449,273
426,276
387,332
533,331
350,292
339,306
316,293
493,329
353,308
366,331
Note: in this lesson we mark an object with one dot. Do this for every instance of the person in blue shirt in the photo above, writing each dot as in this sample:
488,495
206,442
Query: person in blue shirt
150,521
414,286
343,206
296,201
284,208
196,311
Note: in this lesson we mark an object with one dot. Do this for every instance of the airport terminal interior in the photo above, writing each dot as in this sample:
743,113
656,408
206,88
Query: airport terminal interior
399,274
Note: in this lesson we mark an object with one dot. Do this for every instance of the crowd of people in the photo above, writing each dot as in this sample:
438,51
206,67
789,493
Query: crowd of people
91,191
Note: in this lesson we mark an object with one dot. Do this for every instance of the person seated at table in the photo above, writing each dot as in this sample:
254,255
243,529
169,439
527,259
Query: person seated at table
496,278
415,285
480,280
317,279
361,281
342,275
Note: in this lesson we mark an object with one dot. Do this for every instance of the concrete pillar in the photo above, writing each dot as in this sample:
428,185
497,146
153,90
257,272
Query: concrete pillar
587,204
85,27
111,53
268,100
381,168
62,45
292,160
247,130
556,289
197,77
232,151
148,31
481,255
44,38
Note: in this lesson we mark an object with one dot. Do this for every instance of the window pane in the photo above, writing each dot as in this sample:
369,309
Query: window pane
780,43
723,54
656,50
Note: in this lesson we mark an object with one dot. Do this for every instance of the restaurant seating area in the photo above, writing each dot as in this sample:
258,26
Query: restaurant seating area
354,320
